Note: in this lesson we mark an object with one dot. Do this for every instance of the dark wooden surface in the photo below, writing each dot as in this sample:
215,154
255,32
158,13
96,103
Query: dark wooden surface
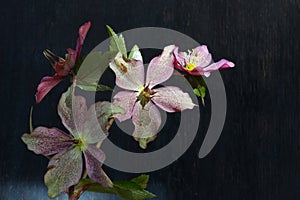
258,154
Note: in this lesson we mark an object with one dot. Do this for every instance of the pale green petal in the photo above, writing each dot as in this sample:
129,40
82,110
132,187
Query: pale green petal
147,121
72,111
97,119
64,170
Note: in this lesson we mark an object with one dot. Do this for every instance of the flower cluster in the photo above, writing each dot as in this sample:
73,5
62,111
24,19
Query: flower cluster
76,155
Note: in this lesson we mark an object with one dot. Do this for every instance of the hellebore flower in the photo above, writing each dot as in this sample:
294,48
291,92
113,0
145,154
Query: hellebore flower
61,66
140,98
198,61
66,166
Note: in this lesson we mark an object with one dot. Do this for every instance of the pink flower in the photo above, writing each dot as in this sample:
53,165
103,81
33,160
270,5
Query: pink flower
71,150
61,66
198,61
140,99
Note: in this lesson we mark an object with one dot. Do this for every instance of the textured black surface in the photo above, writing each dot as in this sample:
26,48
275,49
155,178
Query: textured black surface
258,154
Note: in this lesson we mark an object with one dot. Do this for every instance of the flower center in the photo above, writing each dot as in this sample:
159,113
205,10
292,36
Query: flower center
145,96
189,66
80,143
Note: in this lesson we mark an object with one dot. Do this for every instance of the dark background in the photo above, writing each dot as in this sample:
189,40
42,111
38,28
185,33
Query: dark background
258,153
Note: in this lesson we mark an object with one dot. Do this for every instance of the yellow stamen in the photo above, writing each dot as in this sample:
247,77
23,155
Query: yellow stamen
189,66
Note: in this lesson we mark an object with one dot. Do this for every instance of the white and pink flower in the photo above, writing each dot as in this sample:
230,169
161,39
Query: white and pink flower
198,61
141,98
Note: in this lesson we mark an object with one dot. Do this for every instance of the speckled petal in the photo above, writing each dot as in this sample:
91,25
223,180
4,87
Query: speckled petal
129,72
64,170
47,141
161,67
201,56
172,99
94,159
126,100
72,111
147,121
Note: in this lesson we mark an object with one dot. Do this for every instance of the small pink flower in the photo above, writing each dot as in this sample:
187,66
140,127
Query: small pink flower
61,66
140,99
198,61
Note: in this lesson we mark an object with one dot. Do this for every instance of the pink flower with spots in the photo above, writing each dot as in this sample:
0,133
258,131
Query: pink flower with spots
141,98
198,61
71,150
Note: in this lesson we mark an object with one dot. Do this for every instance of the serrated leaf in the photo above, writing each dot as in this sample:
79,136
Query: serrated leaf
117,43
91,186
135,53
94,87
92,69
129,190
141,180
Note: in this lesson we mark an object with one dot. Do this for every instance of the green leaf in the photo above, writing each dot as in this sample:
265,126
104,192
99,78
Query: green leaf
94,87
30,120
91,186
133,189
135,53
199,86
200,92
117,43
141,180
92,69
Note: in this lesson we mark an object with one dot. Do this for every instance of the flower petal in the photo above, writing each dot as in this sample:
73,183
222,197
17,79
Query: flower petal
82,34
213,67
172,99
97,119
70,60
147,121
64,170
135,53
94,158
72,111
46,84
47,141
179,61
126,100
129,72
200,56
161,67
